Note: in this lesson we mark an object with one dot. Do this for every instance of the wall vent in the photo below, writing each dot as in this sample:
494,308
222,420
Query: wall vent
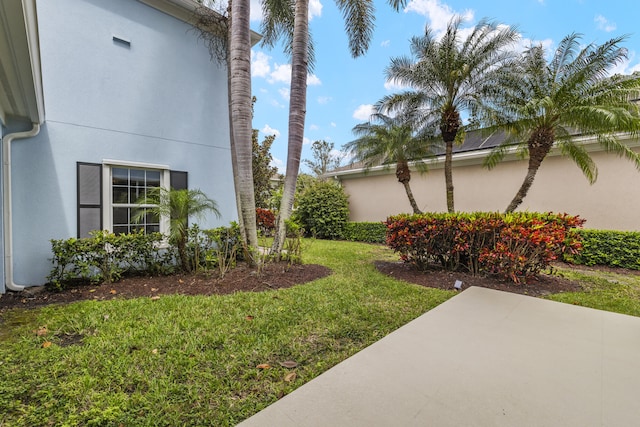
121,41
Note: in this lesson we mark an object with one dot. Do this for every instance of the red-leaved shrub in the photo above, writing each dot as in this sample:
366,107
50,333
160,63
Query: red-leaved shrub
265,220
515,246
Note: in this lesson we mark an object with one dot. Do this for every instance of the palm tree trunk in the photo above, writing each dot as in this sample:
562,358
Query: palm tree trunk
297,113
534,164
240,92
403,173
412,200
448,175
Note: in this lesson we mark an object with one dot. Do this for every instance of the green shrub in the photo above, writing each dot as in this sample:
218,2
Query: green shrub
515,246
323,210
106,257
367,232
605,247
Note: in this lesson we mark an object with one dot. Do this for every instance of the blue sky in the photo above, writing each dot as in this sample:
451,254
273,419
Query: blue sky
342,89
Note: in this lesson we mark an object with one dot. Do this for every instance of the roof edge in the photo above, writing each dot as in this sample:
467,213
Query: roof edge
476,157
184,10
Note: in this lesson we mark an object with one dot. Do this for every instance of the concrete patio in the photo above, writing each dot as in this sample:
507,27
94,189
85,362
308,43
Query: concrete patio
483,358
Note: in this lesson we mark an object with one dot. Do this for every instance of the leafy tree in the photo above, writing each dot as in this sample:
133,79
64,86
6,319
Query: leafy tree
262,169
178,206
323,210
324,159
449,75
542,104
290,19
391,140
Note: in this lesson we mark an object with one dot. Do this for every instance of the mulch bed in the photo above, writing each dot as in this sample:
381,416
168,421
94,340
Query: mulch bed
275,276
438,278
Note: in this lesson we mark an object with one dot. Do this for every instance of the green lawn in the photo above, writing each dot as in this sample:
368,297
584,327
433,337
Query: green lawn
186,360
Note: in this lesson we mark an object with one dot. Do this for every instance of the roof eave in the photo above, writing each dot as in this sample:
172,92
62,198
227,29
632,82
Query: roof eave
185,10
20,49
475,157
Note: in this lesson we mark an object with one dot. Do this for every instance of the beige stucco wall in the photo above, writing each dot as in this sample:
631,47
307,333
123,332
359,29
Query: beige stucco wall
613,202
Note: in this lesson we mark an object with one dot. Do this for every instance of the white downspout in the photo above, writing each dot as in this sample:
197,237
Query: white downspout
6,194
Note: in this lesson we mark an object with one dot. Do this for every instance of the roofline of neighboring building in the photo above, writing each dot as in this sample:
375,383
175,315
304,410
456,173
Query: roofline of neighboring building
184,10
468,158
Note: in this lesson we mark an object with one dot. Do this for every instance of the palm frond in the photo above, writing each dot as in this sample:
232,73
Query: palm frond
581,158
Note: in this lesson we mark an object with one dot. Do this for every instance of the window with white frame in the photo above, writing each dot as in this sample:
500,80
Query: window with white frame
109,195
129,187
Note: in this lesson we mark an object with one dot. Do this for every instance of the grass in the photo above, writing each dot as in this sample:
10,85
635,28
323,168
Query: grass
192,360
603,290
185,360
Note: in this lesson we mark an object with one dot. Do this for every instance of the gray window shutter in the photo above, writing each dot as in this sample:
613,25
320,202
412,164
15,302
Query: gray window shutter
89,176
179,180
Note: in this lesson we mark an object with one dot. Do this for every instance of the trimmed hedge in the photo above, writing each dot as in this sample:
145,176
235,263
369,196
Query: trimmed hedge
514,246
367,232
605,247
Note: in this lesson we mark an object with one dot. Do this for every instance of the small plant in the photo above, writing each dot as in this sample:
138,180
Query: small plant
225,247
178,206
266,221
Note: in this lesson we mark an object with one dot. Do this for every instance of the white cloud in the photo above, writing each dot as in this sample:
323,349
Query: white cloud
324,99
313,80
284,93
437,13
315,9
333,124
363,112
276,104
268,130
385,43
260,64
306,141
625,66
604,24
282,74
313,127
255,11
275,162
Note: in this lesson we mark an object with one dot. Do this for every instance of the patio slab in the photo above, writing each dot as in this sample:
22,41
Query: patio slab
483,358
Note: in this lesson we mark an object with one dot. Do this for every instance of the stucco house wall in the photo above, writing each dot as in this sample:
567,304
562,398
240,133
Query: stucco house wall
124,84
613,202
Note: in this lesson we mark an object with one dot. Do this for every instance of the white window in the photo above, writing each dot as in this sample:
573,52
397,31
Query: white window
125,184
108,195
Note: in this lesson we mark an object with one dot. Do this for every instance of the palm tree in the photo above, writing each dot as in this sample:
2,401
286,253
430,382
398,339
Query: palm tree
292,23
446,75
229,43
241,109
391,141
545,104
178,206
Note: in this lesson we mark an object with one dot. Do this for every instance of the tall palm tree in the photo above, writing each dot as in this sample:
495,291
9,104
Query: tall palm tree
241,112
446,75
178,206
228,42
391,141
281,20
545,104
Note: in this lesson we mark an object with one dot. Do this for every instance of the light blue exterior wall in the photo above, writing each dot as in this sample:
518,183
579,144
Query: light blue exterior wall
160,101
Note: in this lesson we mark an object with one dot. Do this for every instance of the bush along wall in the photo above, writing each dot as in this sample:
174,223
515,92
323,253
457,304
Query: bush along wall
514,246
106,257
605,247
368,232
